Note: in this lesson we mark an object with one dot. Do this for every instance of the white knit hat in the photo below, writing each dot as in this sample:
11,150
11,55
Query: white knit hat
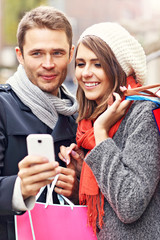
126,48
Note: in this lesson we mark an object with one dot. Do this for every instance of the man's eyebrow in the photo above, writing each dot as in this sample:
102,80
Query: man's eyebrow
51,50
59,49
35,50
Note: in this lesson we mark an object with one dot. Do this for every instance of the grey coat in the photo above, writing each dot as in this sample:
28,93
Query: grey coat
127,169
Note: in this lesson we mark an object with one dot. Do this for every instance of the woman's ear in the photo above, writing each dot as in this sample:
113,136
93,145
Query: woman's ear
19,55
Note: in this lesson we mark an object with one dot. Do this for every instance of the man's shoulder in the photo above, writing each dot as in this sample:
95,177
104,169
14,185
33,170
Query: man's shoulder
6,93
5,87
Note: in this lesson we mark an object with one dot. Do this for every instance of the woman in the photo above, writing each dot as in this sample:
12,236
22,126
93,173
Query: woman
120,174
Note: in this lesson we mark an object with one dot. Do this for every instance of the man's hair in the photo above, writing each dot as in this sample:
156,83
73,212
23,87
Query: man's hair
43,17
88,109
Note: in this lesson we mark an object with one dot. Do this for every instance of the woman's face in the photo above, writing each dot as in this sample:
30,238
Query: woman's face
90,75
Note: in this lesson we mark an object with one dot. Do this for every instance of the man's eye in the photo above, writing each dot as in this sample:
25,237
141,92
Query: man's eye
57,53
36,54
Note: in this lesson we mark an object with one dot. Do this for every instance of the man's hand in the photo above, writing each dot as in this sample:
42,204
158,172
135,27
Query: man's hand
68,184
34,172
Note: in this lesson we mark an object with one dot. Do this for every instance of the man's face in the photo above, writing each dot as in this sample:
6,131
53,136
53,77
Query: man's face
45,58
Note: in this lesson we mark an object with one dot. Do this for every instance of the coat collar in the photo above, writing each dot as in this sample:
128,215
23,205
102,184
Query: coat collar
65,128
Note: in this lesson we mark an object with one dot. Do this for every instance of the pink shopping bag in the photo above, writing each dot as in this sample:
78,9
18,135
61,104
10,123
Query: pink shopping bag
56,222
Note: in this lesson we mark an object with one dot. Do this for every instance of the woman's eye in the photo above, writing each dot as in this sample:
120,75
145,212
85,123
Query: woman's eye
80,64
98,65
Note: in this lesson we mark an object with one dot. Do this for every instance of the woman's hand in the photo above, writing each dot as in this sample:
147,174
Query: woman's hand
73,157
107,119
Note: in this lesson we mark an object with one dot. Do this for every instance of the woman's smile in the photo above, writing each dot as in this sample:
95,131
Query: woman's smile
91,84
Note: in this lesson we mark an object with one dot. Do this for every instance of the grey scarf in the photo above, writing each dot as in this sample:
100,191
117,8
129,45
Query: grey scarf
44,105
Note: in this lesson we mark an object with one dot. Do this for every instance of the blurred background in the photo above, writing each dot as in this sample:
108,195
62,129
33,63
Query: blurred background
140,17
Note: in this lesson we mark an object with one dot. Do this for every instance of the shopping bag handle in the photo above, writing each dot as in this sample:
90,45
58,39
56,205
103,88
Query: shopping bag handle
47,202
61,197
31,224
143,91
51,190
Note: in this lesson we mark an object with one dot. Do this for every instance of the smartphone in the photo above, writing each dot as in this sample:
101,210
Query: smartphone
42,145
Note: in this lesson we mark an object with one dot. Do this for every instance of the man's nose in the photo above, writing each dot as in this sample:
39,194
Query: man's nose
48,62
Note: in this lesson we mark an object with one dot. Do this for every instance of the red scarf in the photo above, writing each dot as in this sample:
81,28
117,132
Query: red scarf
89,192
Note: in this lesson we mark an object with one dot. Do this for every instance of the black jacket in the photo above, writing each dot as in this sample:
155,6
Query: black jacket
16,122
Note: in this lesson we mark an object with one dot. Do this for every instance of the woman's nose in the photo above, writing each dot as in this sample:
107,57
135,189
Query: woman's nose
87,73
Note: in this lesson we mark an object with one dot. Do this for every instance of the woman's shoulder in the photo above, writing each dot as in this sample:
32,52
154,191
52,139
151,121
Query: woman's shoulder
141,111
143,106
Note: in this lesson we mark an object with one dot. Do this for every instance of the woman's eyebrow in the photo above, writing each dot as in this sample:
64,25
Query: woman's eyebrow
92,59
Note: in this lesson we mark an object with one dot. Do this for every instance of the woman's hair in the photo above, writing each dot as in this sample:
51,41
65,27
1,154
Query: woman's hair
88,109
43,17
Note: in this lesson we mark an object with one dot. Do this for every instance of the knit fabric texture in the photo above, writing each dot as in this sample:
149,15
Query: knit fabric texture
44,105
126,168
126,48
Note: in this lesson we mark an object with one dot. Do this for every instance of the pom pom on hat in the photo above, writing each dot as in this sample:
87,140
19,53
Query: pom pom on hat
125,47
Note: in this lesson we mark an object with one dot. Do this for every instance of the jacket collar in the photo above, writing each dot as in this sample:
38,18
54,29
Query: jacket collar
65,128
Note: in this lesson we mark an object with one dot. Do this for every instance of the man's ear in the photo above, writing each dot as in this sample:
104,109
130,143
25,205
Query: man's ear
71,53
19,55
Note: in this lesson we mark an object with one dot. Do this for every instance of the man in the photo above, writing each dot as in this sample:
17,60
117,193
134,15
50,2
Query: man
33,101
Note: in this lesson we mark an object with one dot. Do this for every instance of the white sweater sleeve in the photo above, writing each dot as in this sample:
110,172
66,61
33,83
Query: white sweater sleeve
18,203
